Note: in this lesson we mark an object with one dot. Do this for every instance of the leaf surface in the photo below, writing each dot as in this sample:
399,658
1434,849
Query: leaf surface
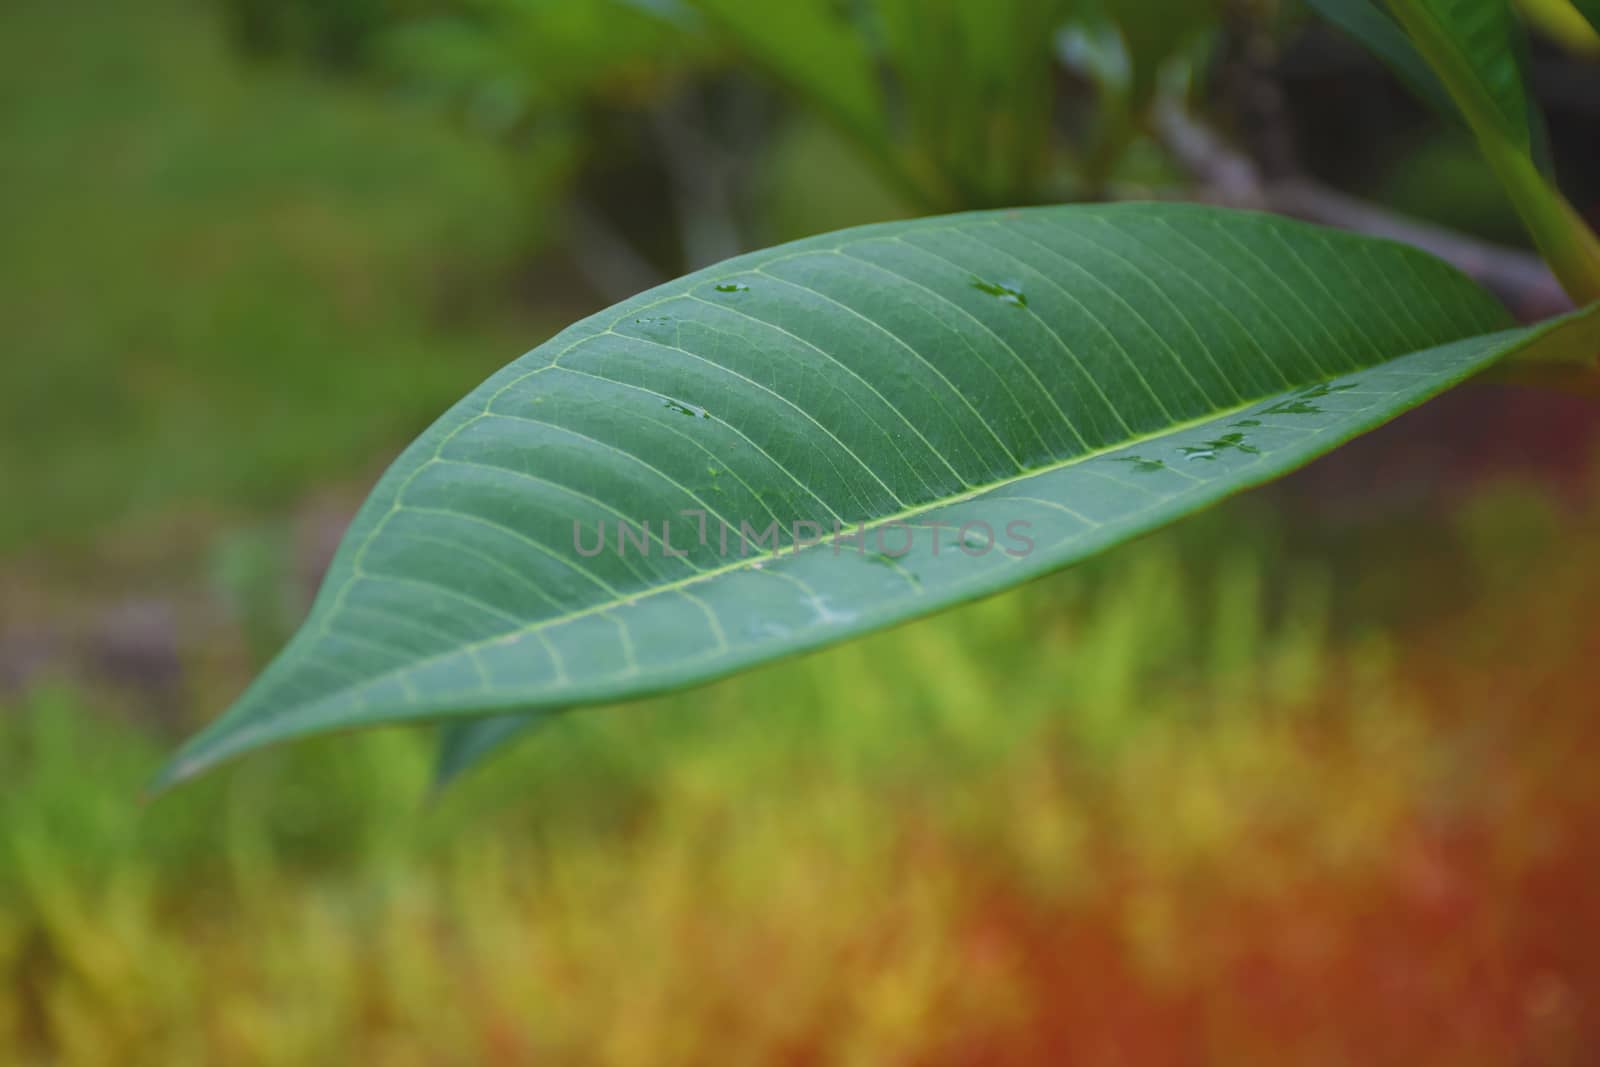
982,398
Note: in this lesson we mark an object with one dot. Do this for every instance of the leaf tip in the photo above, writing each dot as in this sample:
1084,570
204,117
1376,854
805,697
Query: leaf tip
172,774
209,749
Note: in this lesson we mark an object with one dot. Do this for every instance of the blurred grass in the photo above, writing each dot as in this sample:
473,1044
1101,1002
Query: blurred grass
1156,804
217,284
609,888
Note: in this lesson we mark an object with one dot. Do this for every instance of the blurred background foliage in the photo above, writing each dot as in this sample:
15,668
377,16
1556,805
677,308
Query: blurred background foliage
1301,780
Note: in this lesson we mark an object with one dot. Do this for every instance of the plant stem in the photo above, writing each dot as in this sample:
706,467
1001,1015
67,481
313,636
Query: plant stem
1563,238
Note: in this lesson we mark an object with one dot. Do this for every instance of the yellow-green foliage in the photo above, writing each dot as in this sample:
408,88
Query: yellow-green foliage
805,861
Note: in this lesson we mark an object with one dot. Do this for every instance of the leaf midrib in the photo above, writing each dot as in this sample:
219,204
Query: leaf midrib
752,562
754,263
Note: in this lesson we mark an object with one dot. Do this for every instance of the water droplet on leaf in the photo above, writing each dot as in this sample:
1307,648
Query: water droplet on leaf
1208,450
656,327
883,559
686,409
1009,293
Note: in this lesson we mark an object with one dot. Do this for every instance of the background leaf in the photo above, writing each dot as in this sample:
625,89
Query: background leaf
974,84
1369,23
1559,11
1477,49
992,395
1156,31
1473,46
466,745
816,51
1573,23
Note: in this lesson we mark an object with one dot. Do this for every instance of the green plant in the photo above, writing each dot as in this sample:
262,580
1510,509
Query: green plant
1474,49
808,443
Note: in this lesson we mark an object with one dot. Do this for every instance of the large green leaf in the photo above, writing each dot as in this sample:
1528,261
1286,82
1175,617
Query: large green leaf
994,395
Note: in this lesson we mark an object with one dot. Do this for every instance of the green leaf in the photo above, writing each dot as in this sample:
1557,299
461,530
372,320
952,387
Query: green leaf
468,744
1575,24
993,395
974,88
1473,46
812,47
1368,23
1155,31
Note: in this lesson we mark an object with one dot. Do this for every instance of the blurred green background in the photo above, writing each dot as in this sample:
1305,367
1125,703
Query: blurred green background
1305,779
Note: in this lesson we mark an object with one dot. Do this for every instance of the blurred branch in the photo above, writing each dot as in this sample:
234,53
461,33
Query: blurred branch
1225,176
703,178
1520,279
605,258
